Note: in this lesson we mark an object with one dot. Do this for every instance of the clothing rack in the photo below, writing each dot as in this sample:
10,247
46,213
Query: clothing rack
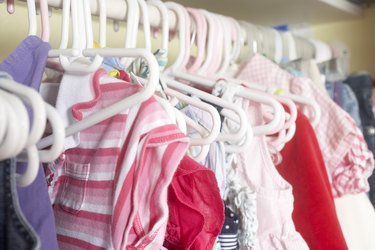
117,10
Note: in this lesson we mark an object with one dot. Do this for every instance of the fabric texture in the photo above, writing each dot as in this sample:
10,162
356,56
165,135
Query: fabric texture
342,144
228,237
215,157
72,89
15,232
256,170
314,213
196,208
26,66
243,200
100,197
344,96
357,219
361,84
239,196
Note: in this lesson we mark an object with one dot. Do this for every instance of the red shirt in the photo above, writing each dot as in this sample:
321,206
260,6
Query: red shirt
314,212
196,210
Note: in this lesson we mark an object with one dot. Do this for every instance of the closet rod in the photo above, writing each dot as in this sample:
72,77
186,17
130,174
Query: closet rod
116,10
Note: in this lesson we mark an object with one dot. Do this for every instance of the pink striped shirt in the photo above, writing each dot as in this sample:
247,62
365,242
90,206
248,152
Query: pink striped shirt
111,191
348,160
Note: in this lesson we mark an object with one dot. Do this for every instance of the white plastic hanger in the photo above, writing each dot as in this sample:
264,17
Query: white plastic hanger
132,21
146,23
102,23
253,37
44,13
58,136
232,48
213,133
241,116
211,42
32,169
78,41
213,62
207,136
283,136
41,111
3,121
272,127
10,6
32,98
80,21
15,134
67,8
278,121
227,53
287,133
230,29
165,22
207,139
213,99
17,126
200,38
31,11
43,5
117,107
238,40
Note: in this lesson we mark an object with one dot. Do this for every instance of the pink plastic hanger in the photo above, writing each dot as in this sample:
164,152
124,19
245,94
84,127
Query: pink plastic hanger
182,57
44,13
178,70
207,137
200,38
10,6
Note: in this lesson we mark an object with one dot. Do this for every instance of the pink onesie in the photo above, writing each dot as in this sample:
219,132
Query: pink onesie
110,192
274,196
348,160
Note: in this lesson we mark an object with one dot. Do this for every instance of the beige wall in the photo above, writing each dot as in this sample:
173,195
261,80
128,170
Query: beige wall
14,28
359,35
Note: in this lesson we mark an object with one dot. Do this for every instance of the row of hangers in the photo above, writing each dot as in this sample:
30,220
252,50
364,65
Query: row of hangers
19,135
218,40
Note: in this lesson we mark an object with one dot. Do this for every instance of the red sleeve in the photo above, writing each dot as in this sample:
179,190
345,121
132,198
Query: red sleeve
314,212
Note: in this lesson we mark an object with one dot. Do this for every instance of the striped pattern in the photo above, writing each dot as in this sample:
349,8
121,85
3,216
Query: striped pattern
338,139
111,191
228,241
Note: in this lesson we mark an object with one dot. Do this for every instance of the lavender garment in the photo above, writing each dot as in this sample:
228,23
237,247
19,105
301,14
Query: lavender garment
26,65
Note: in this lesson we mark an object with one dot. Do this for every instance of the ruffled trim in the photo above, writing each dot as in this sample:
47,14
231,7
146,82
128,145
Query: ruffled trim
243,200
350,176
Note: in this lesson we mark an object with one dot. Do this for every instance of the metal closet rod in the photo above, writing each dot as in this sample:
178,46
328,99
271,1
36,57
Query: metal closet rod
116,10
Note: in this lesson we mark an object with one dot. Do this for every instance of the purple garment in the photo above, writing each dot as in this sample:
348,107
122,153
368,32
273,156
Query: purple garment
26,65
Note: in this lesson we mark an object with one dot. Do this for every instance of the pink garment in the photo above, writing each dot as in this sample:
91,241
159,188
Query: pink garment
196,208
110,192
276,229
200,37
353,171
342,144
